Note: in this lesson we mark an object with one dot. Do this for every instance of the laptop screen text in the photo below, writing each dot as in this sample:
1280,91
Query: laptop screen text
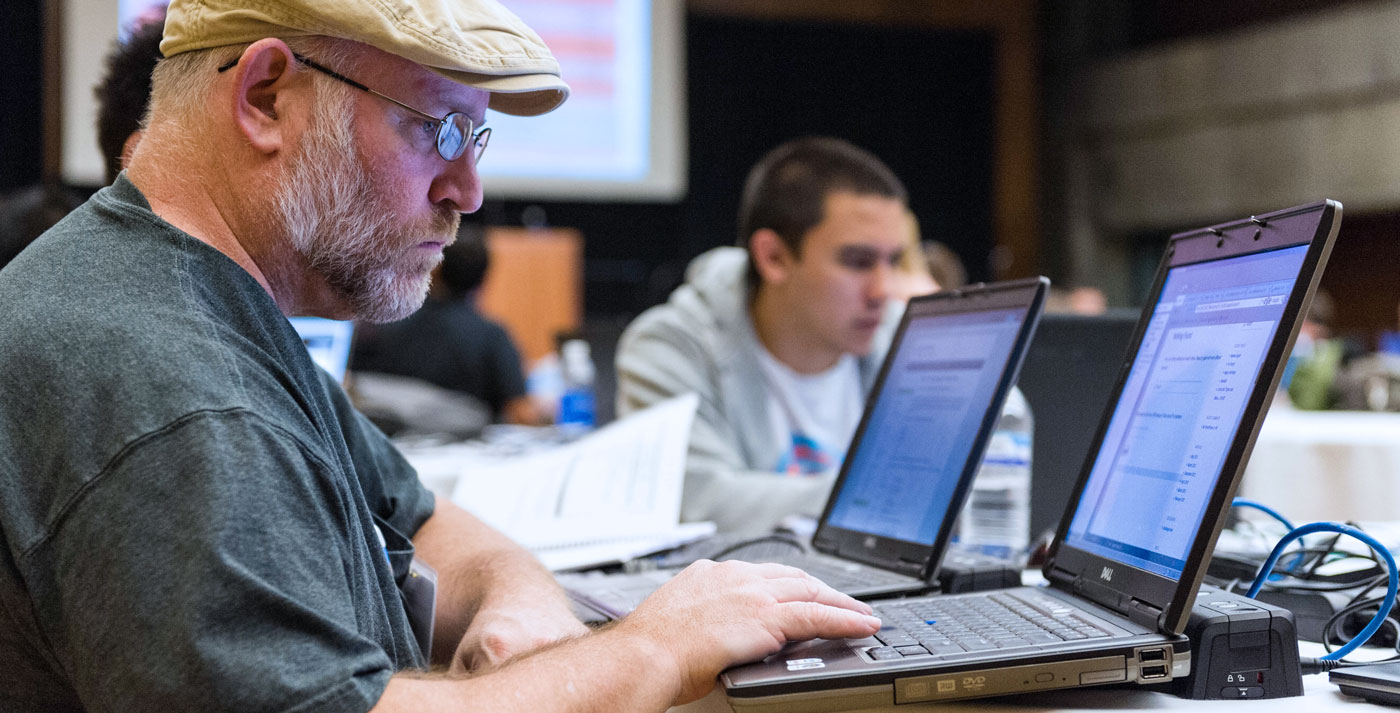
924,423
1178,412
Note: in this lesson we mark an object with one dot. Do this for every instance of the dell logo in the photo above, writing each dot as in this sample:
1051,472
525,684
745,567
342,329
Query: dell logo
1107,574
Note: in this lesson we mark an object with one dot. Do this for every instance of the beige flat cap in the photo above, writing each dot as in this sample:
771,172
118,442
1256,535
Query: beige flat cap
478,43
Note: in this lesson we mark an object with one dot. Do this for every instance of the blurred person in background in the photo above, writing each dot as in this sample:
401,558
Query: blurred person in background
26,213
944,265
781,338
449,343
124,91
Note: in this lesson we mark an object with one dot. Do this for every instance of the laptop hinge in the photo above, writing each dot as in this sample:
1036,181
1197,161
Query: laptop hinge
1136,610
1102,595
912,568
1144,615
1063,578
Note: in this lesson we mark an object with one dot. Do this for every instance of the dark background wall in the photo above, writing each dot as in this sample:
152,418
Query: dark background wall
21,96
1361,275
919,99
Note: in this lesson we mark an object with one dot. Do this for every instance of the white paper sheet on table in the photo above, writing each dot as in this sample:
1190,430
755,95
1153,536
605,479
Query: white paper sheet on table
611,495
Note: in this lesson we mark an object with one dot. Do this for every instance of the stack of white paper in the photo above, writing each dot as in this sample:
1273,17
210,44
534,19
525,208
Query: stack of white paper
609,496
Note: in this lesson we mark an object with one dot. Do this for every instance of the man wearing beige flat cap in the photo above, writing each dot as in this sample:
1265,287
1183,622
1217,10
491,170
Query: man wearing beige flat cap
192,516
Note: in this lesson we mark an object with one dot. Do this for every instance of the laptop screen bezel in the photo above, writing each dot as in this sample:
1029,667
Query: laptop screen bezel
914,558
1100,577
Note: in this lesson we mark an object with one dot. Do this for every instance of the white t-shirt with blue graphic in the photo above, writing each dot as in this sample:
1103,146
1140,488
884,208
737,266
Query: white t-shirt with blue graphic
819,412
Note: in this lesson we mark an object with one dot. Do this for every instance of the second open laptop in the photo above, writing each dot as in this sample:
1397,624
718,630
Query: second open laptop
1152,496
927,422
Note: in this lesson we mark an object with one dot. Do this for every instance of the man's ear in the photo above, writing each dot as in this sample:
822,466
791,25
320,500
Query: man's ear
262,80
129,147
770,255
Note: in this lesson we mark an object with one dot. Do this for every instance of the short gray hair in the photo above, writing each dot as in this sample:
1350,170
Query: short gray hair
181,84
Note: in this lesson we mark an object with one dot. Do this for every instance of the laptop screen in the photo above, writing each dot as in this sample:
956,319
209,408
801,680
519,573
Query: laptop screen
923,424
1179,408
328,341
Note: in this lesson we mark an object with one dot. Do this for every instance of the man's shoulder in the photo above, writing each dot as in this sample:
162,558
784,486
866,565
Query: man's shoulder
708,311
107,356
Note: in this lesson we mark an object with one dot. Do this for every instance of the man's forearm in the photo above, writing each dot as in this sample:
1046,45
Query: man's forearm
607,671
477,566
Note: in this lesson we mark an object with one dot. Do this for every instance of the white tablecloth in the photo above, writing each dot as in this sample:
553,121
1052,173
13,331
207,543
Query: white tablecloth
1327,465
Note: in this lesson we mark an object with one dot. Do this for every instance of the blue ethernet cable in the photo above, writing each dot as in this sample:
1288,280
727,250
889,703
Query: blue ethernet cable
1261,507
1392,583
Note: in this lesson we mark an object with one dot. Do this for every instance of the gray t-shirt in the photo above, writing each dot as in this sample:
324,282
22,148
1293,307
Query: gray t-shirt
187,505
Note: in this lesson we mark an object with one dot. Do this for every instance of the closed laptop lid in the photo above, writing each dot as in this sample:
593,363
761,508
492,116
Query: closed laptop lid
926,424
1071,368
1223,313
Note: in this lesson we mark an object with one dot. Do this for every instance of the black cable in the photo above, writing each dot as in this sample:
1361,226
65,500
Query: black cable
1318,562
1375,582
1331,629
1311,666
784,539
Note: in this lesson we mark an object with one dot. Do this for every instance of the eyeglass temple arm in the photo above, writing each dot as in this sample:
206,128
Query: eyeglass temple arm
337,75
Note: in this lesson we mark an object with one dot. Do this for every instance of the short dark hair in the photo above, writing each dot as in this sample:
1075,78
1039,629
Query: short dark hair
465,262
125,90
786,190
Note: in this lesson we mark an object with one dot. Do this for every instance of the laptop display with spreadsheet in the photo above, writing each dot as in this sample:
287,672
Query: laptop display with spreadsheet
1132,547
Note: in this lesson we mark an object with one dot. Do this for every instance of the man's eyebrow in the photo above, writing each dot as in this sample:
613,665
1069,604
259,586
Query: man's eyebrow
858,250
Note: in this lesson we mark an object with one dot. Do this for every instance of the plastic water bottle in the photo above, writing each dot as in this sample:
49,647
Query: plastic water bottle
997,517
577,407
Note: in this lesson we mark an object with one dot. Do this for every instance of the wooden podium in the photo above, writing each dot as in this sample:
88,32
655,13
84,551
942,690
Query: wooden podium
535,285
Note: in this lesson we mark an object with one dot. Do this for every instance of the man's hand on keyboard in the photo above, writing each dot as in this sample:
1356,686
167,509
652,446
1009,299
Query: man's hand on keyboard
713,615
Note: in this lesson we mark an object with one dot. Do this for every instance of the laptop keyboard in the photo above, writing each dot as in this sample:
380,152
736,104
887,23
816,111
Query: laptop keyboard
954,625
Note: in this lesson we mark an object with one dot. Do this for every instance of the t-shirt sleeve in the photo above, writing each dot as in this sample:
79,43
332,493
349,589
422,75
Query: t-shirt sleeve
216,565
390,484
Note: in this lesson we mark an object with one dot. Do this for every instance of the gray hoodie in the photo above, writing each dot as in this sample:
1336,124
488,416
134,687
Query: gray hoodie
702,340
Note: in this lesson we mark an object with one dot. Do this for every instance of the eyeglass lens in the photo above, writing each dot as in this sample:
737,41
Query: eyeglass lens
454,135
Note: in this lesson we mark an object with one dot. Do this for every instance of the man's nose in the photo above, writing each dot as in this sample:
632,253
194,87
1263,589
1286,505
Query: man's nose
877,289
459,185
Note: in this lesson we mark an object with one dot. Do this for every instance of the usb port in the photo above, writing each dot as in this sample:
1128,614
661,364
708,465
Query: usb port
1152,655
1154,672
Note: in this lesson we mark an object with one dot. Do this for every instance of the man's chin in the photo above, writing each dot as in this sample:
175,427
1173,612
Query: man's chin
394,305
860,341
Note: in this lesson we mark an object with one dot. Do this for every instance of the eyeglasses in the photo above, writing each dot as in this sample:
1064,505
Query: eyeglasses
453,130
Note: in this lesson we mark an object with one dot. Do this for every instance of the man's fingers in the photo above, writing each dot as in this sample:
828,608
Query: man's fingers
800,621
773,570
806,588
